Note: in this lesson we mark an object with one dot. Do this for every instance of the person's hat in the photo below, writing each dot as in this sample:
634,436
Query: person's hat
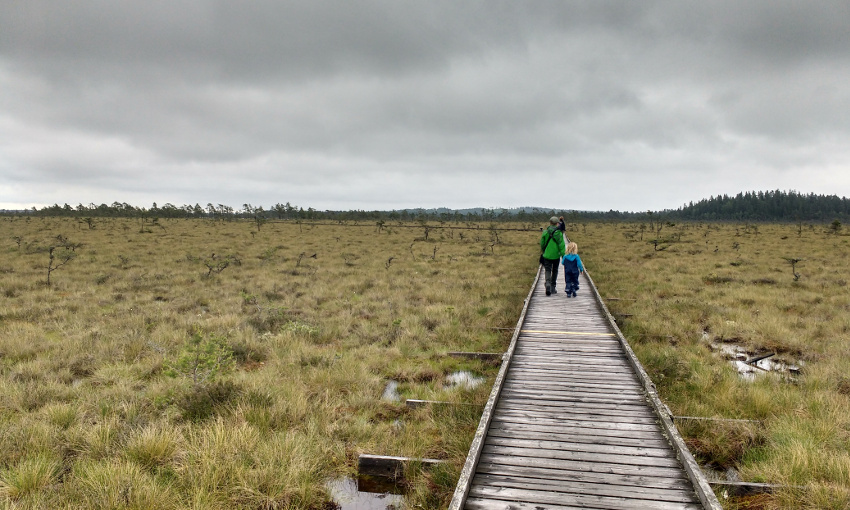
553,220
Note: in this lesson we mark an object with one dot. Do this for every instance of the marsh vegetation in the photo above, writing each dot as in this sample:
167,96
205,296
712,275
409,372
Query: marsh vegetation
686,291
215,364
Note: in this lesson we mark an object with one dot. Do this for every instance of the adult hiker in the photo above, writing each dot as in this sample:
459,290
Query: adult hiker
552,248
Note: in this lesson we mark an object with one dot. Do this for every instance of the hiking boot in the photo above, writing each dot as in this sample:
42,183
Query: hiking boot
548,290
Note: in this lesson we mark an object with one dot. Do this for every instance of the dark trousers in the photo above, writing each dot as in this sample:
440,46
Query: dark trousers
571,281
550,268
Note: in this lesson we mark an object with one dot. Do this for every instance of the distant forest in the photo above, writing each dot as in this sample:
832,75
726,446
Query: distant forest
776,205
754,206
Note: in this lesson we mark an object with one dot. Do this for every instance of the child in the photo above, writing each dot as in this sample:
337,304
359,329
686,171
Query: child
572,268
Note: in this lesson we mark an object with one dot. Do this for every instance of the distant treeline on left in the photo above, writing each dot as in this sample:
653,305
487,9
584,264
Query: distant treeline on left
288,211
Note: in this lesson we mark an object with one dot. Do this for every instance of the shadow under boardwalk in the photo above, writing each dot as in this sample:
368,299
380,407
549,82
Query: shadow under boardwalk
572,426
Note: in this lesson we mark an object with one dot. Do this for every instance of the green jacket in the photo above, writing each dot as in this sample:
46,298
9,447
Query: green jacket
556,248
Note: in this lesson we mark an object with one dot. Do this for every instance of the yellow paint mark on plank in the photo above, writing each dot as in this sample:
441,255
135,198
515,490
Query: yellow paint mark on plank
565,332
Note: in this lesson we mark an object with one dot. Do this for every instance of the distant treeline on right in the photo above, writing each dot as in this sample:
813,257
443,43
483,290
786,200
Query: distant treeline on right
776,205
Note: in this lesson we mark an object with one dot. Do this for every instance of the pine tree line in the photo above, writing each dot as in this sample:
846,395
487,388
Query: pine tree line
780,206
773,206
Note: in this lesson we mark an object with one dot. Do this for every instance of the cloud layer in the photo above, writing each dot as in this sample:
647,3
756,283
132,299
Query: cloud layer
386,104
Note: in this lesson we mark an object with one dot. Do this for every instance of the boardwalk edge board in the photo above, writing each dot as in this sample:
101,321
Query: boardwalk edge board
701,485
465,481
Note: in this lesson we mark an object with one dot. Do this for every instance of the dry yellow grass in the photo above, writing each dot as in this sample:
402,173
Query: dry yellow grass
713,284
106,402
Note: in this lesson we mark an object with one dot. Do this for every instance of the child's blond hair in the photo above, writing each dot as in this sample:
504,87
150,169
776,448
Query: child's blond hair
572,248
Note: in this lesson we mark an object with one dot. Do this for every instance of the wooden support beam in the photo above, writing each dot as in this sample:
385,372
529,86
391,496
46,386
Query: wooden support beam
416,403
700,418
483,356
746,488
759,358
388,466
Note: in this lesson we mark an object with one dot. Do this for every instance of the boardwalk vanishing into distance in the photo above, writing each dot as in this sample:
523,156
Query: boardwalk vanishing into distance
574,422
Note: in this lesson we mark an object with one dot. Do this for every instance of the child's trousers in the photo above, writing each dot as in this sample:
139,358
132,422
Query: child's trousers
571,281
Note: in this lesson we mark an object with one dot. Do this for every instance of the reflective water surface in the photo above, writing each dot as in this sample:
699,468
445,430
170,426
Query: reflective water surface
365,493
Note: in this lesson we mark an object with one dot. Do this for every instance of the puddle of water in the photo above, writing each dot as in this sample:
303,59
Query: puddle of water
738,356
464,379
364,493
391,392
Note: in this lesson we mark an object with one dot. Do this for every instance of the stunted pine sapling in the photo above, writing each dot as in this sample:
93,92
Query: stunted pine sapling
203,358
794,263
58,260
216,264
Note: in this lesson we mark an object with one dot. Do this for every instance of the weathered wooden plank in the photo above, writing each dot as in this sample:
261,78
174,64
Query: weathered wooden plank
622,399
500,504
602,433
554,374
530,374
661,472
579,456
551,418
566,364
575,366
575,385
575,389
586,476
552,434
567,360
588,488
533,353
570,413
584,501
567,347
573,446
594,388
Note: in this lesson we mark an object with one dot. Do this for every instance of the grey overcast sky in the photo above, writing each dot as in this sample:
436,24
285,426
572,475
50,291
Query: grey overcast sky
593,105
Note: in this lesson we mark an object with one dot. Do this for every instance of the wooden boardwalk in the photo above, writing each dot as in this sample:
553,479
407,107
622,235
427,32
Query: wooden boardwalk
574,422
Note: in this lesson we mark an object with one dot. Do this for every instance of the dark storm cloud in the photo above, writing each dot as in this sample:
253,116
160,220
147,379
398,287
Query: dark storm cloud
405,103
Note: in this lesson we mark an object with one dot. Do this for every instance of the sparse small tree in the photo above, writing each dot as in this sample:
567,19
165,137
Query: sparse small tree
259,218
204,357
794,262
57,260
217,264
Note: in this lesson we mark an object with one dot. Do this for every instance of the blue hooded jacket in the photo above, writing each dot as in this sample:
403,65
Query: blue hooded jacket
572,263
